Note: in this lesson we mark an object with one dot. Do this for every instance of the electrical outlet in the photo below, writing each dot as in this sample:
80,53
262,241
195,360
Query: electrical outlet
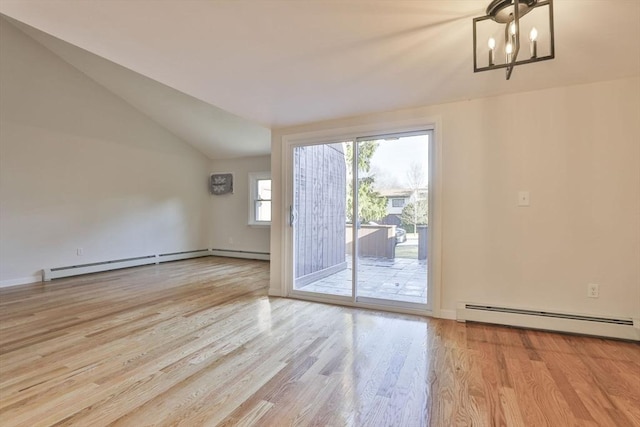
79,251
523,198
231,240
593,290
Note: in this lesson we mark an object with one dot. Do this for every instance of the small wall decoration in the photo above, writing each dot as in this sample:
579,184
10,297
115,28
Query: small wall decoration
221,183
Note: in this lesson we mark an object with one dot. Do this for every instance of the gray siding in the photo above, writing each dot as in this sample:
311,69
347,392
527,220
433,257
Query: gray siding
320,184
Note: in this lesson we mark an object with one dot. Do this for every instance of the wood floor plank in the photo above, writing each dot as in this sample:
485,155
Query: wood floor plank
200,343
531,413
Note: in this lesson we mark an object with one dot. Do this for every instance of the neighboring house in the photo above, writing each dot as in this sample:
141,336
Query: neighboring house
397,199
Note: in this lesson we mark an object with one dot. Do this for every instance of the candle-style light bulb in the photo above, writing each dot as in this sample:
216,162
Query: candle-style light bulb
508,49
492,46
533,46
512,32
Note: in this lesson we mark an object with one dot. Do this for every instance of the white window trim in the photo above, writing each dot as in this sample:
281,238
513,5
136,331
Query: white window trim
254,177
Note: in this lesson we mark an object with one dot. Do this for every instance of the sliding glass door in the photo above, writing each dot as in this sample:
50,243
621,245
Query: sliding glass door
359,216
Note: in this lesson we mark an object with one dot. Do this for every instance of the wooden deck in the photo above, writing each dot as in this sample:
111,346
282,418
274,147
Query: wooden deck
199,343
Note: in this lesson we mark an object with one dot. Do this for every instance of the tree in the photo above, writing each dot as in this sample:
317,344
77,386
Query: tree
415,213
385,178
415,176
371,205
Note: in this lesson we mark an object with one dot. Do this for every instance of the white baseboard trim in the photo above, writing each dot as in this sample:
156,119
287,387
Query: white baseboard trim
36,278
274,292
447,314
178,256
263,256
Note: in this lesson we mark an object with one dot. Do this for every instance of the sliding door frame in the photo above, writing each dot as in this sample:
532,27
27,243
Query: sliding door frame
358,133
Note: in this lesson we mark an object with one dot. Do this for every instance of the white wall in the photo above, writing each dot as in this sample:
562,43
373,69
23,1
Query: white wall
80,168
577,150
229,213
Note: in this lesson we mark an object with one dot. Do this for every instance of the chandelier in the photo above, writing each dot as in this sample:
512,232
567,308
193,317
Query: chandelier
498,36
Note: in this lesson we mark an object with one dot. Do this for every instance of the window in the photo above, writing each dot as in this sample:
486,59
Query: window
397,203
260,198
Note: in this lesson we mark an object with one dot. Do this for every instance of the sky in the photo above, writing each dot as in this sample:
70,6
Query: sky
393,159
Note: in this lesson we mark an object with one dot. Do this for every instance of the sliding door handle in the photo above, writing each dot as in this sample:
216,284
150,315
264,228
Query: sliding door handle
292,216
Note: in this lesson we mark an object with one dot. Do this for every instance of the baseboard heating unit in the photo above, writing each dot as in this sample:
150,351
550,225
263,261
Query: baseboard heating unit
264,256
602,326
96,267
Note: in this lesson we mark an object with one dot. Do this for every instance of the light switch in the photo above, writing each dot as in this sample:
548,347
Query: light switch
523,198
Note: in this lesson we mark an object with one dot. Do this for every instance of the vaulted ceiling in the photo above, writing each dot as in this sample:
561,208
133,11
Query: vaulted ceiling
246,66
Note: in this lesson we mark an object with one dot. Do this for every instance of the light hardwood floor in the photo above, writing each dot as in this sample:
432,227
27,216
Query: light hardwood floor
199,343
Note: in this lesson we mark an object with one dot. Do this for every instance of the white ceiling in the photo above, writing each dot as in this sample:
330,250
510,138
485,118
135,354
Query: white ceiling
283,63
213,131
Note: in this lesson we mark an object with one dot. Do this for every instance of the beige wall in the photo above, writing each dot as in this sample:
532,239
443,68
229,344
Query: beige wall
80,168
577,150
229,213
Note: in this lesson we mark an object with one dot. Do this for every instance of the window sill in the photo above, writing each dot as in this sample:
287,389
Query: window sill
258,225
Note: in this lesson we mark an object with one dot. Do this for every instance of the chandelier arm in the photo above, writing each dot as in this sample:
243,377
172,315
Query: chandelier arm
516,37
